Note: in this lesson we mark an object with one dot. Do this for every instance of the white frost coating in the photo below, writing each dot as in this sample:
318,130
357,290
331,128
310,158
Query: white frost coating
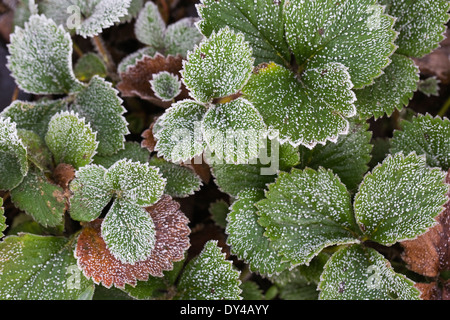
150,26
181,36
219,66
40,58
136,182
399,199
70,139
234,131
129,232
166,86
210,277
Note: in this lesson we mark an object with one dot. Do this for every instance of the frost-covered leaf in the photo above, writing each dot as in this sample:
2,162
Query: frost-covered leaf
166,85
132,151
41,58
421,24
40,198
179,136
86,18
355,33
209,277
132,58
181,37
40,268
260,21
102,108
231,178
2,219
382,97
37,151
136,78
305,211
219,211
34,116
13,156
426,135
246,237
428,254
172,240
70,139
136,182
308,112
429,86
129,232
150,26
359,273
89,65
234,131
91,192
399,199
133,10
347,157
181,181
219,66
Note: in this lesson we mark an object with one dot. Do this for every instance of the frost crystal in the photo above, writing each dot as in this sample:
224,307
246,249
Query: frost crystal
166,85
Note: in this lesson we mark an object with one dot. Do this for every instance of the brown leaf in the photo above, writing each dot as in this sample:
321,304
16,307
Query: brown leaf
172,240
136,79
432,291
148,140
63,174
429,254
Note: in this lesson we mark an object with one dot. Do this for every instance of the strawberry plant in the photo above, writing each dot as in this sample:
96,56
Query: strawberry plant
234,154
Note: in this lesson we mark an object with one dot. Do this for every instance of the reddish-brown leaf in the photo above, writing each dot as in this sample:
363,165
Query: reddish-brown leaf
429,254
433,291
148,140
136,79
172,240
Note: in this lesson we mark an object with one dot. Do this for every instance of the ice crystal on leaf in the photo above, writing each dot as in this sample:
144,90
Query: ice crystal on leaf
359,273
40,268
399,199
209,277
13,156
166,85
171,241
40,58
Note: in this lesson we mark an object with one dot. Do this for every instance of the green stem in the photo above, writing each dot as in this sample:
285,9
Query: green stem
444,108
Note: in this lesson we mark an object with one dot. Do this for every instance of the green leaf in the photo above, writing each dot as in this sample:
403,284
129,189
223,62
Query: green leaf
129,232
261,22
13,156
348,157
306,211
70,139
40,198
85,18
426,136
219,210
308,112
37,151
34,116
429,86
355,33
234,131
246,237
181,37
399,199
359,273
132,151
219,66
181,181
179,136
421,24
209,277
91,193
89,65
40,268
101,106
232,178
150,26
166,85
136,182
382,98
41,58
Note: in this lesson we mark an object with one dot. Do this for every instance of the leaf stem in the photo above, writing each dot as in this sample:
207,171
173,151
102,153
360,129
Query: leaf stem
106,56
444,108
77,50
